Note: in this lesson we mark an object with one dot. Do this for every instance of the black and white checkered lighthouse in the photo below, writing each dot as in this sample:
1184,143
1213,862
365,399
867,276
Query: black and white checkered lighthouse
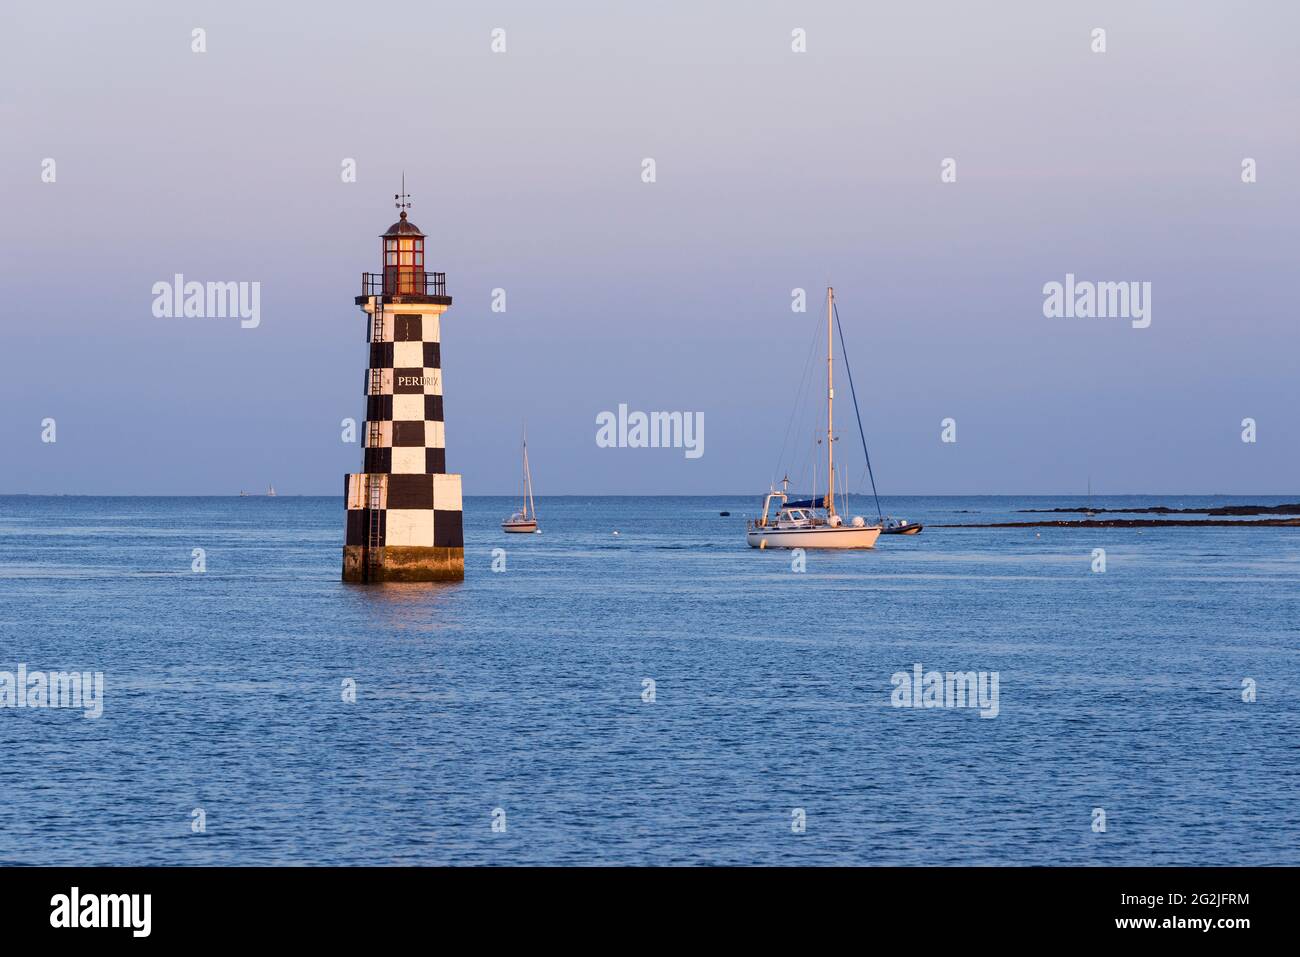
403,508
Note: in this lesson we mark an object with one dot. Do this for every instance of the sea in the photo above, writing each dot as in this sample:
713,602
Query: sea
636,686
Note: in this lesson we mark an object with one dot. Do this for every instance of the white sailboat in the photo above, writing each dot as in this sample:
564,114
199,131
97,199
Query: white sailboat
813,523
524,520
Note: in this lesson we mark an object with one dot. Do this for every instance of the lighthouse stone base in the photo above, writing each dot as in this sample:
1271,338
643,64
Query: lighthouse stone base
403,563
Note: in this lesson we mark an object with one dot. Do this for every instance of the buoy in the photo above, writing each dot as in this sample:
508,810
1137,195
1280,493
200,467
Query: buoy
616,531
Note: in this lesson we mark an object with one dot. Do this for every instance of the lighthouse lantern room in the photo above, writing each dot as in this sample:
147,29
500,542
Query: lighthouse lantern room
404,258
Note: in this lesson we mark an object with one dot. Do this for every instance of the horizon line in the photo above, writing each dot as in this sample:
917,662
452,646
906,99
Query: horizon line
661,495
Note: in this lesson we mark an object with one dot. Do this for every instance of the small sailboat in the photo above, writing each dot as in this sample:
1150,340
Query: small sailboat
524,520
270,491
813,522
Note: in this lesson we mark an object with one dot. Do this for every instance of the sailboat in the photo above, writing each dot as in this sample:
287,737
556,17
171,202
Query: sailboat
524,520
813,523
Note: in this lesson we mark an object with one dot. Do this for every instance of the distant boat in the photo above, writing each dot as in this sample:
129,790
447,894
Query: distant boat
524,520
270,492
813,522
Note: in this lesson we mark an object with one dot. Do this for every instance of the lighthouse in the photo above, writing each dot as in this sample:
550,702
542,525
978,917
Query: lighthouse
403,507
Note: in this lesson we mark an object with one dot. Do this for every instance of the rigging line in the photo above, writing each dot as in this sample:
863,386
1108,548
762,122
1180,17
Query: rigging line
797,480
854,392
799,401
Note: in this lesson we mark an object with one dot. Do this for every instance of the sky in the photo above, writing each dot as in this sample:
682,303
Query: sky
774,170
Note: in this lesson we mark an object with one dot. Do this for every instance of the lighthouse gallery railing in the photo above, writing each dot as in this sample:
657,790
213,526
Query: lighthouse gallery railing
403,282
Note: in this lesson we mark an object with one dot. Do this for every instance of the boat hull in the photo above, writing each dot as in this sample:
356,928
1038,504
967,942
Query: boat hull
519,527
906,530
825,536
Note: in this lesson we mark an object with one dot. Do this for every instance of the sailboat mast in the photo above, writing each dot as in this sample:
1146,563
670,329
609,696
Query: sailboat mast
830,401
529,508
524,490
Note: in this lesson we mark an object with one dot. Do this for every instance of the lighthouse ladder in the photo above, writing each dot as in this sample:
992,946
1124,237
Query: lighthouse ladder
375,489
376,516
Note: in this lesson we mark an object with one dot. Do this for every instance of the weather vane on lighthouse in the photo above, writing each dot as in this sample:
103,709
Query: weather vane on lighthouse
403,199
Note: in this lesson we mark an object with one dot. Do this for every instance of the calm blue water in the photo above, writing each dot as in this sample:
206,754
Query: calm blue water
522,690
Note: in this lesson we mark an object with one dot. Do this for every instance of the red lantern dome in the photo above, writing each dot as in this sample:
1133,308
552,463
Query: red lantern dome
404,259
